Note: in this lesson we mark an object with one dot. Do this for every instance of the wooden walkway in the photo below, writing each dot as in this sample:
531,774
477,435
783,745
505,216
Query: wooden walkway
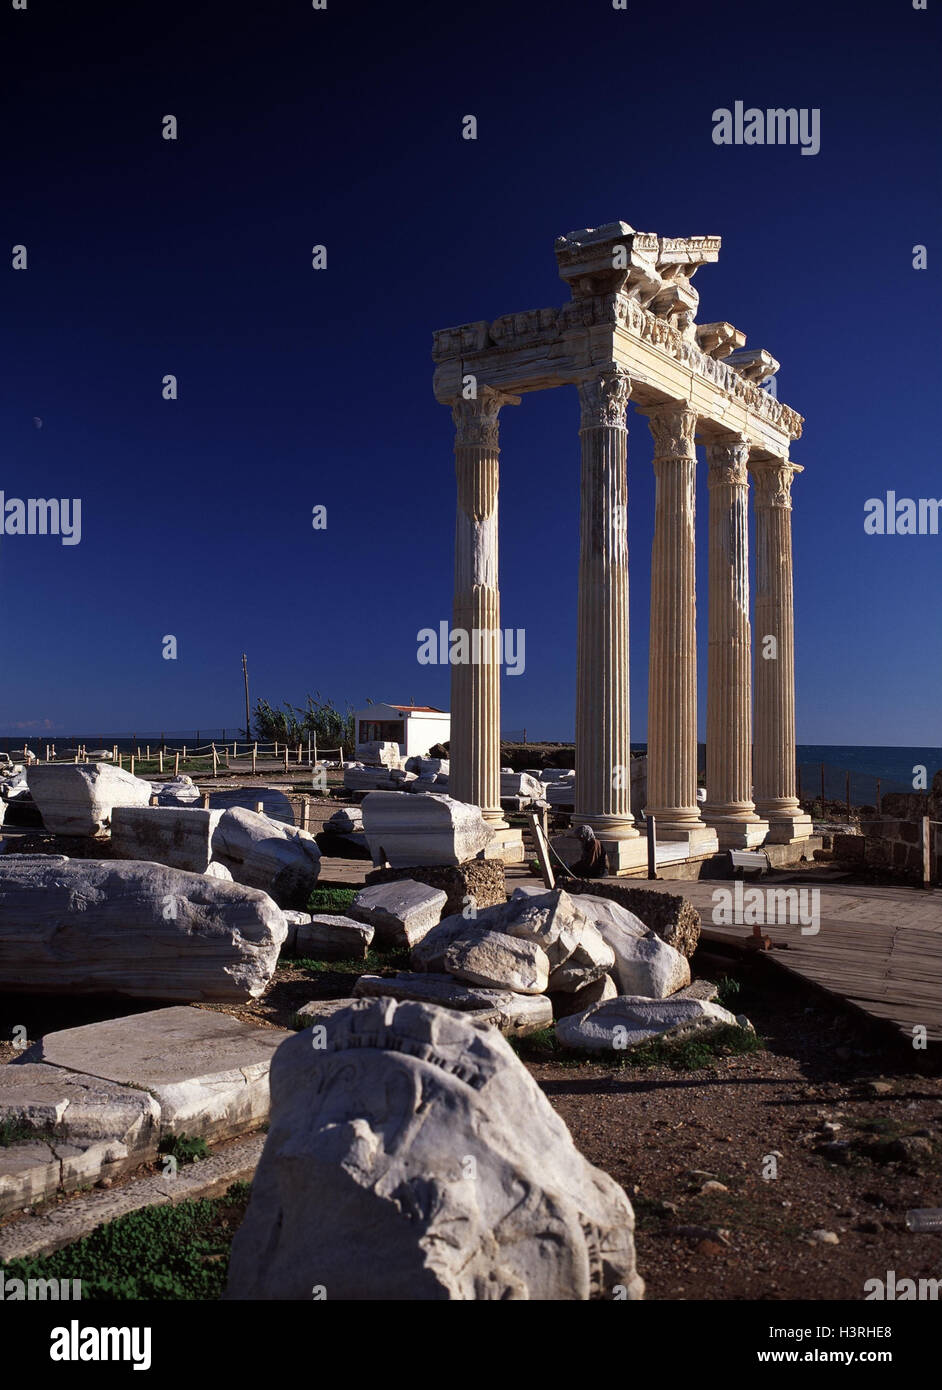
878,947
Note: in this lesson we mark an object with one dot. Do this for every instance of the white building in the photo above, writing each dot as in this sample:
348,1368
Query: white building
416,728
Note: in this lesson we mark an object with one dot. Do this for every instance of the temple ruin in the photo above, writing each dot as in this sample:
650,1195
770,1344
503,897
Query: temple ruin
630,332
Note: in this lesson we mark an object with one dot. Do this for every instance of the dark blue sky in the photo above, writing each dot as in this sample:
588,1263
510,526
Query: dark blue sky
298,388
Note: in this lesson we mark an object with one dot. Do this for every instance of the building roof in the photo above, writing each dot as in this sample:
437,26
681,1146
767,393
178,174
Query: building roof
425,709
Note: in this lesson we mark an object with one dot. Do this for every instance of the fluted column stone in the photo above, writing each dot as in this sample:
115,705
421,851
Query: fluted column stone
672,654
729,805
474,751
603,750
774,752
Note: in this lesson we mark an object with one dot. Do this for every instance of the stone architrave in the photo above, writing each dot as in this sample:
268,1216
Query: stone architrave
774,753
729,806
603,749
672,668
474,753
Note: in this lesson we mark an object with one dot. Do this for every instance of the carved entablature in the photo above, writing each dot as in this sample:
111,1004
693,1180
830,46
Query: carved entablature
673,427
773,482
727,462
612,290
603,398
457,342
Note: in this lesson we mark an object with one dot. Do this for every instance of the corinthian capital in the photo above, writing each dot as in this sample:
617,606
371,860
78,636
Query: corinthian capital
476,420
727,462
673,427
604,398
773,482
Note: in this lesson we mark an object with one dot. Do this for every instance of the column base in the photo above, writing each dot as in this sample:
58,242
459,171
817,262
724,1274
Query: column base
507,845
621,856
607,827
700,839
733,833
785,830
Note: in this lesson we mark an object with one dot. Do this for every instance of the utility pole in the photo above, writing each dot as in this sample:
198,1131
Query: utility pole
248,717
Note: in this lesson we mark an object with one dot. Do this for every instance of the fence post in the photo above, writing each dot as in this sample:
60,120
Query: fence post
254,759
205,801
160,759
132,764
259,808
176,764
652,847
926,852
286,757
215,762
305,813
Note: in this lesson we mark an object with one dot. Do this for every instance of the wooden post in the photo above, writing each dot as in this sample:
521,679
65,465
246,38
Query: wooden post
260,808
276,748
148,752
205,801
215,762
309,748
132,764
254,759
286,757
233,747
114,755
847,794
542,850
227,757
160,759
305,813
926,852
652,847
299,752
176,764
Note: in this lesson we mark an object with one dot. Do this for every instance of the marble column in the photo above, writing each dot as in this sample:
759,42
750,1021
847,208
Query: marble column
729,806
603,781
774,753
474,752
672,652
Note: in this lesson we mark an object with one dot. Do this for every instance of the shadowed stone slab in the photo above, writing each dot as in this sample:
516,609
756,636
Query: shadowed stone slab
363,1185
78,798
29,1172
180,836
699,989
514,1014
401,912
333,937
91,926
207,1072
597,993
282,860
96,1129
623,1023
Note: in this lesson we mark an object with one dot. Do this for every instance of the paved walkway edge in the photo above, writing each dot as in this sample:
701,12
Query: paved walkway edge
79,1216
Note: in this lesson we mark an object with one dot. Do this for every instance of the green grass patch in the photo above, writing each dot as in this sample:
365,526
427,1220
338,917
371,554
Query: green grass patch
728,990
165,1252
375,962
184,1149
18,1132
680,1054
328,899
